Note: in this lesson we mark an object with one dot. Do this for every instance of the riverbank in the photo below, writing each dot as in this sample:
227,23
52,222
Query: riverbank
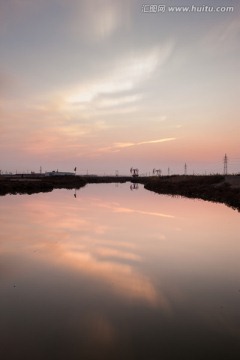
30,184
217,188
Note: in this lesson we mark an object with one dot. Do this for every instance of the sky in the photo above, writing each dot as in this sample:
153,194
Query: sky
106,85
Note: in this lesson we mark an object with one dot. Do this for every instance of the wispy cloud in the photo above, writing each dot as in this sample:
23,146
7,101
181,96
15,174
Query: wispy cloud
129,144
97,21
222,37
121,83
123,145
155,141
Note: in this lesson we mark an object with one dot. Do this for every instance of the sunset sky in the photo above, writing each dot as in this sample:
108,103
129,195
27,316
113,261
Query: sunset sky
105,85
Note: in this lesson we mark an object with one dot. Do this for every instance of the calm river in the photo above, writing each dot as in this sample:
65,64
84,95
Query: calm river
114,273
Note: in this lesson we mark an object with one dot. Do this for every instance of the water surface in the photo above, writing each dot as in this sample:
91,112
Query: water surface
112,273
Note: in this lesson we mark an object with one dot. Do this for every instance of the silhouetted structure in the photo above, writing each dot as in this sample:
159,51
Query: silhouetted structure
185,169
157,171
134,172
225,165
134,186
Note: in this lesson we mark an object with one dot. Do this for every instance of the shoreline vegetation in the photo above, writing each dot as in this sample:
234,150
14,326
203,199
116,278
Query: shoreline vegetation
216,188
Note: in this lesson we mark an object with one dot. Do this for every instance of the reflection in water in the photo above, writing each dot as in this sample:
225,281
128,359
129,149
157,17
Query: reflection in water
114,274
134,186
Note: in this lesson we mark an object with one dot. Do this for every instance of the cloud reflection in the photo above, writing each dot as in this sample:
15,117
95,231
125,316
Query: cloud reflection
117,208
75,237
123,279
99,329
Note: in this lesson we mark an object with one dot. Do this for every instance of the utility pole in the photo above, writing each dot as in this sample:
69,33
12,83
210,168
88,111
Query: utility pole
225,165
168,171
185,169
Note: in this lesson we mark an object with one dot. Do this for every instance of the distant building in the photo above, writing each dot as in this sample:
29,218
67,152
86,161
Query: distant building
59,173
